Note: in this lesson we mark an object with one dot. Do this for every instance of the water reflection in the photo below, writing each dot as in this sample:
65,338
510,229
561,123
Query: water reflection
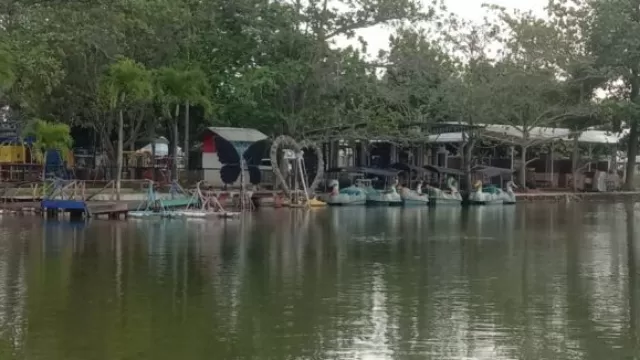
529,282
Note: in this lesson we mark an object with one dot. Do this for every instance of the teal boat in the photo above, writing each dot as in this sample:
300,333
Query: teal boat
411,197
349,196
414,197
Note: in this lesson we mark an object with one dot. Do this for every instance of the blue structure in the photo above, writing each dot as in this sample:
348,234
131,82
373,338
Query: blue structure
56,165
76,208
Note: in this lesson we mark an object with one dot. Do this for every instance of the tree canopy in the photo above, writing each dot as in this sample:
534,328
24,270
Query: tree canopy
127,68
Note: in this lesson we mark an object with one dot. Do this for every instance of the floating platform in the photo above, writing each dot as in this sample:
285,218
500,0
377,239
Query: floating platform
176,203
74,208
84,209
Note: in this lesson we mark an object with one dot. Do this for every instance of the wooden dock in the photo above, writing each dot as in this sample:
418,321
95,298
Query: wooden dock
73,208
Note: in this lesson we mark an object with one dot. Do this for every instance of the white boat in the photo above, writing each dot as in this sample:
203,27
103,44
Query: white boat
509,195
485,195
414,197
387,197
441,197
492,195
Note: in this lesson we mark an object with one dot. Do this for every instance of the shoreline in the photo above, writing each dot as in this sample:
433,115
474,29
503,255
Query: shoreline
27,205
567,196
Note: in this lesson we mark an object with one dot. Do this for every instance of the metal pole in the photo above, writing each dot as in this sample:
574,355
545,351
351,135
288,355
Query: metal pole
551,153
590,150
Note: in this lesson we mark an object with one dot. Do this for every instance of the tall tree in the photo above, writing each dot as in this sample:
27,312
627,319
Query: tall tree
577,64
469,95
6,70
611,29
530,92
175,87
125,83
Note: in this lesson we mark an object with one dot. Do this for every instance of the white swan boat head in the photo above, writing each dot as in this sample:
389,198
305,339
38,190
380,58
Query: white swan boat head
352,195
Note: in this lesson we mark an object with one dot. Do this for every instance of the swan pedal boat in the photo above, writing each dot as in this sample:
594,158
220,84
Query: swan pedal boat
414,197
442,197
352,195
492,195
389,197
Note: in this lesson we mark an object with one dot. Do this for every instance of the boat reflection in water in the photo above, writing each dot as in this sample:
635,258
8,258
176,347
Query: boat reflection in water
339,283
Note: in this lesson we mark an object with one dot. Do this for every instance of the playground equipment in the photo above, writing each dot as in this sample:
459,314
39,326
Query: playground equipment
20,161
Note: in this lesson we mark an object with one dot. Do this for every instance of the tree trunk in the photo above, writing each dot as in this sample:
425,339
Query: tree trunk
467,152
174,167
523,167
153,157
574,163
632,152
119,153
44,165
186,136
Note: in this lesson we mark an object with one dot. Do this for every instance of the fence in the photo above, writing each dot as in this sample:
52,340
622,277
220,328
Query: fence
33,173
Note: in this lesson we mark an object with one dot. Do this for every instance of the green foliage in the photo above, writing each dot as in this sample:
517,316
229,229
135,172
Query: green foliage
274,66
542,77
6,69
49,135
124,83
176,87
269,65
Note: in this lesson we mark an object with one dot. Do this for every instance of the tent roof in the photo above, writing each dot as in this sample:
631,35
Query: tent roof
238,134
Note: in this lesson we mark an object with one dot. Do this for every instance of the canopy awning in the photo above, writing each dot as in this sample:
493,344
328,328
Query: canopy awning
590,136
443,170
407,167
492,171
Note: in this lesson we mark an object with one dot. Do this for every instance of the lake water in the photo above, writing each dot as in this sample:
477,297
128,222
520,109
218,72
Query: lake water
538,281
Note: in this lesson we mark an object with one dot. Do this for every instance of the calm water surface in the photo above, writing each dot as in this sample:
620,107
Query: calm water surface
526,282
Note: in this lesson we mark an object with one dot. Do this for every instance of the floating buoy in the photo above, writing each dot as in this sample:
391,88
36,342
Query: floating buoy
314,202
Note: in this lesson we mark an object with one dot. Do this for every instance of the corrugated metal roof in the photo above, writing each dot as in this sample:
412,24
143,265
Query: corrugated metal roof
540,133
238,134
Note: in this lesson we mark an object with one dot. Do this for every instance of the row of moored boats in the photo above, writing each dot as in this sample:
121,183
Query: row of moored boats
363,193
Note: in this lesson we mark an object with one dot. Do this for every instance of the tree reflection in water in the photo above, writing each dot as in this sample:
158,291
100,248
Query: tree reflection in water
539,281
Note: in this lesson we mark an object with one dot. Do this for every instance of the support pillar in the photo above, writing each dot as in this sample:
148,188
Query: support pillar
362,154
513,161
420,155
590,155
393,153
551,156
76,215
